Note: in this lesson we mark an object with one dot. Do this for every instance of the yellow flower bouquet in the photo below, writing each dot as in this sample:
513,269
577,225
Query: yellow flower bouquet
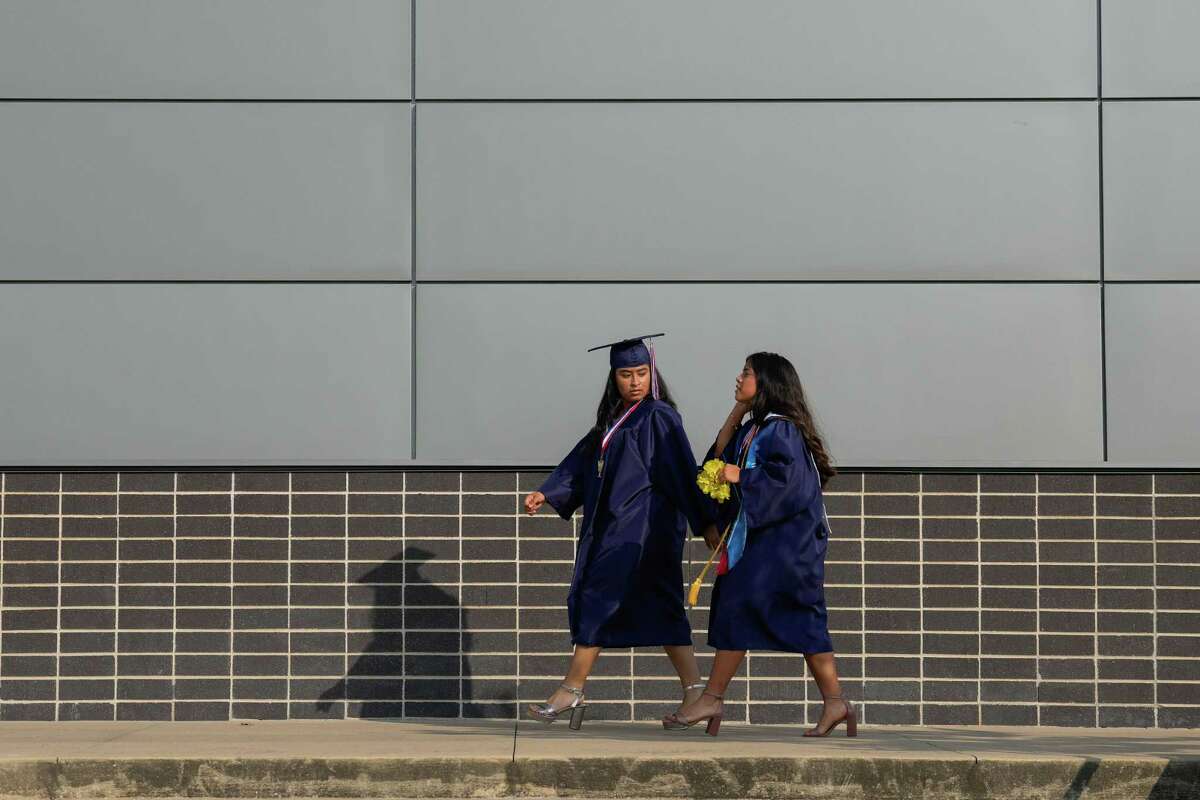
711,480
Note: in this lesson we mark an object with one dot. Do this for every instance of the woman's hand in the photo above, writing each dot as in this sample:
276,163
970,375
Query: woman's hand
712,537
730,427
736,415
534,501
731,474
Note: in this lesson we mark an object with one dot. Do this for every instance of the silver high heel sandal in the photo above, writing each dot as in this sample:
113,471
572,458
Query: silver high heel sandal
544,712
670,717
686,689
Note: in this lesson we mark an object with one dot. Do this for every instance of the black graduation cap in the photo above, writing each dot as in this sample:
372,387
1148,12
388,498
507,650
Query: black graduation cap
631,353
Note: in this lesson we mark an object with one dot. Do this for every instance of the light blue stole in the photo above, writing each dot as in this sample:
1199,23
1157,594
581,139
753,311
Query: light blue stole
737,537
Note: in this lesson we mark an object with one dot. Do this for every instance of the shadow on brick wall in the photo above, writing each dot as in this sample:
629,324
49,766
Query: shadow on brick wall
429,677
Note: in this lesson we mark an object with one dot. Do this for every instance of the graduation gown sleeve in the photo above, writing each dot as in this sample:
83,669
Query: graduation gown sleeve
673,468
565,486
782,484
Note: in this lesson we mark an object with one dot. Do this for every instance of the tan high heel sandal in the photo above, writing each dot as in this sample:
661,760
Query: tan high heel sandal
849,718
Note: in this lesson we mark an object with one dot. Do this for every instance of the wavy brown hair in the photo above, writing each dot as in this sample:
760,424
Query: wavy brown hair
779,392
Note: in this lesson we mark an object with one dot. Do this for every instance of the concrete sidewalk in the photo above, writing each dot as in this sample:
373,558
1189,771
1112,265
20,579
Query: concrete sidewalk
407,759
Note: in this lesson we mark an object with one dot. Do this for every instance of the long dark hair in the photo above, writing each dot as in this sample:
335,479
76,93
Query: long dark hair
612,406
779,392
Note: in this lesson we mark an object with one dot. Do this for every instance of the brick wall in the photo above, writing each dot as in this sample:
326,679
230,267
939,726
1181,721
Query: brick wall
1053,599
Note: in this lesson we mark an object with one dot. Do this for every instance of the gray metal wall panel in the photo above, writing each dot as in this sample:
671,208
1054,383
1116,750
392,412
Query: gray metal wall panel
902,374
755,48
1151,191
214,49
1152,337
204,373
205,191
824,190
1150,48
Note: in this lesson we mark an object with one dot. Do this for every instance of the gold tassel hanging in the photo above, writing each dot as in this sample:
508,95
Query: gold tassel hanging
711,481
694,592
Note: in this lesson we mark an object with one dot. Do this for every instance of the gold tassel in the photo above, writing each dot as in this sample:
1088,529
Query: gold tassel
694,592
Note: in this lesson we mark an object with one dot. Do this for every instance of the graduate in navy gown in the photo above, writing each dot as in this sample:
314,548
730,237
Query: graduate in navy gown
770,589
634,475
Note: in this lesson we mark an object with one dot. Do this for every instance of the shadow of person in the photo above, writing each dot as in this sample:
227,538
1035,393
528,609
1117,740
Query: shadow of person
412,665
1180,780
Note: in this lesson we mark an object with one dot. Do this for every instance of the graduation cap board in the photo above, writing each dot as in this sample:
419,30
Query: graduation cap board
632,353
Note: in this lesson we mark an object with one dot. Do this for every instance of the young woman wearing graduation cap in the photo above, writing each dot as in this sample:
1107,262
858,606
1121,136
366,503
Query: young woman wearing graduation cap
634,474
770,589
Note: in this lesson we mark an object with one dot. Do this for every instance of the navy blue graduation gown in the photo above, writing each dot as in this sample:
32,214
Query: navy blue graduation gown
774,596
627,588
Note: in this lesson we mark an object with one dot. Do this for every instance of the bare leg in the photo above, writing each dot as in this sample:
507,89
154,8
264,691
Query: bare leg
683,658
824,672
582,661
725,666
